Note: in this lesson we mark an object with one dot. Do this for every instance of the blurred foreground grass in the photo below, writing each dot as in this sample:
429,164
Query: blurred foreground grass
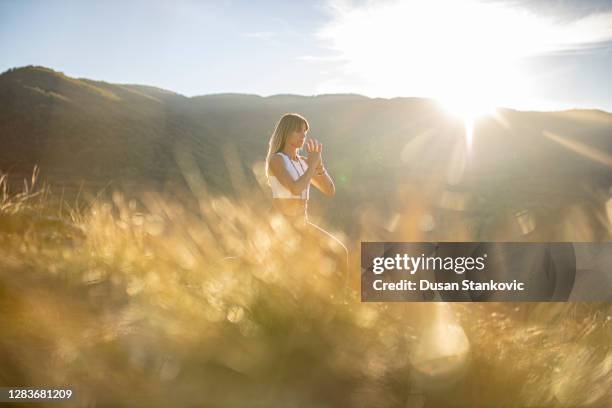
212,302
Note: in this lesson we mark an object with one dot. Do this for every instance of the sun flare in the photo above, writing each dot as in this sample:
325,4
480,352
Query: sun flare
468,110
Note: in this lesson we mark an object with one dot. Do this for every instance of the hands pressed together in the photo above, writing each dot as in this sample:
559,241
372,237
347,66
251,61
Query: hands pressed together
314,149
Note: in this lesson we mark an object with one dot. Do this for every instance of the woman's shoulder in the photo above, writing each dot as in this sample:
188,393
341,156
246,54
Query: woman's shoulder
278,157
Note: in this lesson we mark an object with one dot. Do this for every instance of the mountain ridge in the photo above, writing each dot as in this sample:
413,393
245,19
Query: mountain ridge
281,95
83,132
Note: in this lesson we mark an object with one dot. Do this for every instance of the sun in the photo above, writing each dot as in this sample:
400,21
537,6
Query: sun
468,109
465,106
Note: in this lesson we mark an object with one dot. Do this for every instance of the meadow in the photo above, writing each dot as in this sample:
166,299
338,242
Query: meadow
195,299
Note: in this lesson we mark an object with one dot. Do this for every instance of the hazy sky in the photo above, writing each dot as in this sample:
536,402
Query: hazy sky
524,54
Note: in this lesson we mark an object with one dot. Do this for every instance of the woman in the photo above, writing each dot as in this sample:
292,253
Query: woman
290,176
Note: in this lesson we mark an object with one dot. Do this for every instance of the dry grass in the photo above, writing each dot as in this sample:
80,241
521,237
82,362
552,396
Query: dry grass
31,198
207,301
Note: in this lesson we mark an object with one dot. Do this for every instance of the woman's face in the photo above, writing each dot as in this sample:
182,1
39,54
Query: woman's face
297,138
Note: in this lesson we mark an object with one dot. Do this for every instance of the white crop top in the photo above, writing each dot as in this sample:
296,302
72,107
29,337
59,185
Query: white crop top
296,169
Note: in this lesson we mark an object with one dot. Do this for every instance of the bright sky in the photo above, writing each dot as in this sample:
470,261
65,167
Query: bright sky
474,54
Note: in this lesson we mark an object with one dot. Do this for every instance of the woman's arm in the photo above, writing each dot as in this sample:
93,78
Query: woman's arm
323,181
277,167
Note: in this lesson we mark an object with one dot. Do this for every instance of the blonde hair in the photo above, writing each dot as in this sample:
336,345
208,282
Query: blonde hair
288,123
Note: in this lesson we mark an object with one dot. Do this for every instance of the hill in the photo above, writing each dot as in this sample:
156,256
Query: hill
92,132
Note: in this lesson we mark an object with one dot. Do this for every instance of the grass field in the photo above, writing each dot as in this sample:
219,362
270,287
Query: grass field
209,301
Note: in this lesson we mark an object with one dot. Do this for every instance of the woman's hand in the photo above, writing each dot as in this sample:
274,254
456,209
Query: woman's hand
314,149
321,179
